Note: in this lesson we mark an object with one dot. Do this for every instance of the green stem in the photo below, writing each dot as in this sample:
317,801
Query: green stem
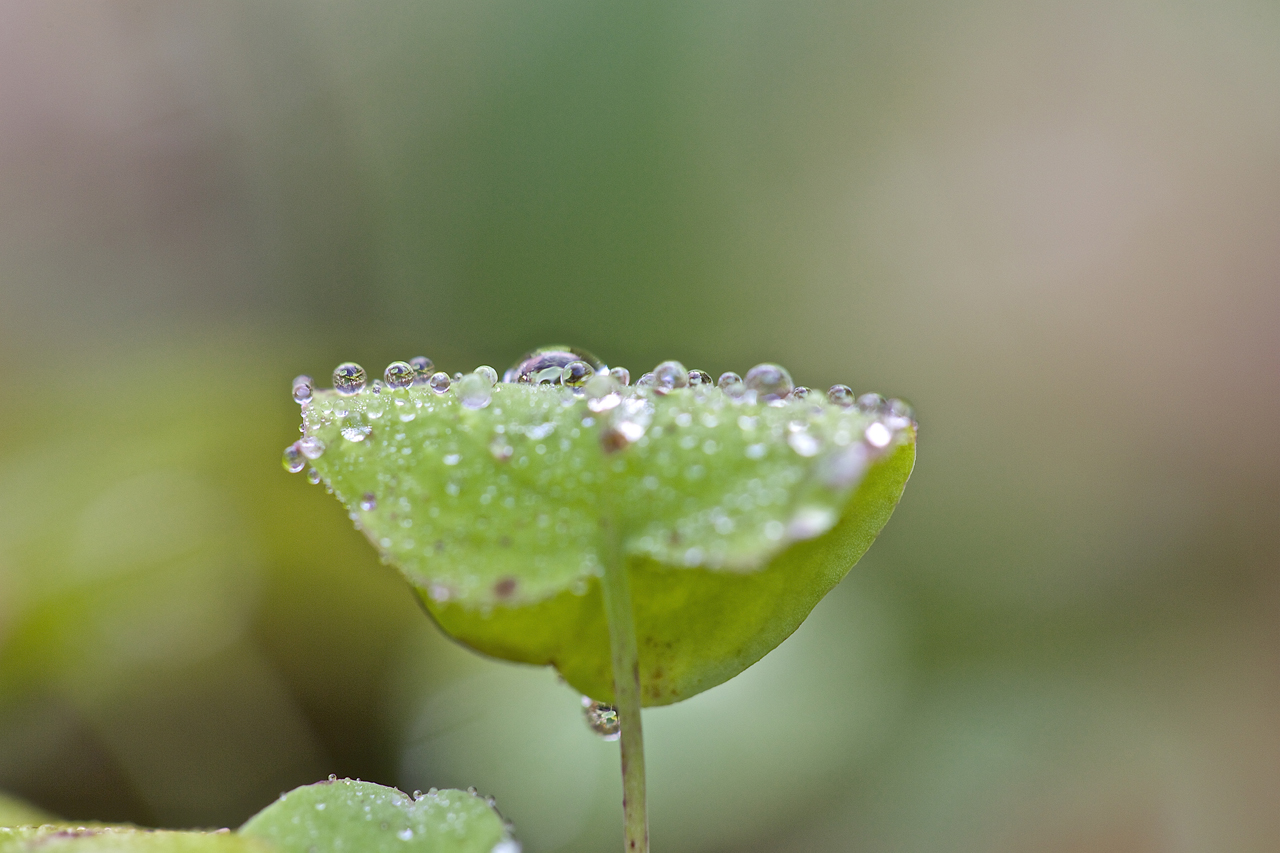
626,693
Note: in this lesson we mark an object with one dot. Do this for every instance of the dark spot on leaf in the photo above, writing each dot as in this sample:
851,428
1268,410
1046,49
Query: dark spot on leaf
612,441
504,588
439,545
504,541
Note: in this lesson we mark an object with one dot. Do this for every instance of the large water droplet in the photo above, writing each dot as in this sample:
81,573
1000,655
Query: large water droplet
646,380
841,395
621,374
576,373
488,374
474,391
901,409
800,392
348,378
301,388
293,460
699,377
670,375
423,367
533,364
601,718
729,378
311,447
769,381
440,382
399,374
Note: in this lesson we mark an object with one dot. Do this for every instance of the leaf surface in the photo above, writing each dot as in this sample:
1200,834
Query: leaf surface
501,504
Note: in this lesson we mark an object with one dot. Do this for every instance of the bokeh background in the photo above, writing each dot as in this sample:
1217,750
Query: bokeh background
1053,226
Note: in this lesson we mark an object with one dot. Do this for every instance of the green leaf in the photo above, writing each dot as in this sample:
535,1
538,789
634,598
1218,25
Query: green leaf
501,503
340,816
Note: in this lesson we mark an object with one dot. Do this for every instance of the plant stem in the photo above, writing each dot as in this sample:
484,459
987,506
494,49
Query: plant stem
626,693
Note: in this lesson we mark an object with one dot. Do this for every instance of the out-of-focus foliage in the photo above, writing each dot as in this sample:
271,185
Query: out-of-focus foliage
326,817
1053,224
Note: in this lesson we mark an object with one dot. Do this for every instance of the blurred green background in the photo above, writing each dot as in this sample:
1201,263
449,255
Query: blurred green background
1053,226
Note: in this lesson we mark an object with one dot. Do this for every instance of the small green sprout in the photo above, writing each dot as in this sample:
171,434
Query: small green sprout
648,540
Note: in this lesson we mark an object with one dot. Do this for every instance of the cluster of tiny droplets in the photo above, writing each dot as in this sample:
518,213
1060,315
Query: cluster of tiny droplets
587,376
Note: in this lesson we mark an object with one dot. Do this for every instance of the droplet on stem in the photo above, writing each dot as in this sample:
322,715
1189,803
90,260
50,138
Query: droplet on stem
601,718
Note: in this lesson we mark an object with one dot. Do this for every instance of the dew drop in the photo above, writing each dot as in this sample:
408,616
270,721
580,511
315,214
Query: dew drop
487,373
769,381
841,395
474,391
313,476
311,447
405,834
601,718
369,502
804,443
500,448
399,374
729,378
871,404
348,378
901,409
879,435
440,382
622,375
646,380
423,367
535,365
699,377
576,373
669,376
800,392
356,433
602,392
301,388
333,777
293,460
